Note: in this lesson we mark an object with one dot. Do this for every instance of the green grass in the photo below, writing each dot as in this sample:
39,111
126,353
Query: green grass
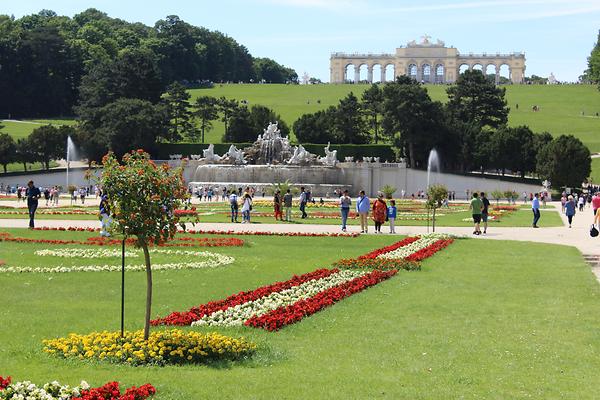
23,129
18,167
595,175
483,319
561,105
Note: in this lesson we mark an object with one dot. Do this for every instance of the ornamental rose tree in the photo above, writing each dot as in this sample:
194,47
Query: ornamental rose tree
143,198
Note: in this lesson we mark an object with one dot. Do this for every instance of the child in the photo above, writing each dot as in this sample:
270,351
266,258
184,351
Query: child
391,214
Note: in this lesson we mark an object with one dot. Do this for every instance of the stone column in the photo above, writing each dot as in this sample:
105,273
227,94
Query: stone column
419,76
497,77
370,73
516,74
382,73
356,74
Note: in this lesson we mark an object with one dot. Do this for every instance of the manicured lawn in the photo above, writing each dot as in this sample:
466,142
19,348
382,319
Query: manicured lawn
483,319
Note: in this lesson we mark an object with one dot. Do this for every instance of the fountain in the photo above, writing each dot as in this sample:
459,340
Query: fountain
433,163
71,155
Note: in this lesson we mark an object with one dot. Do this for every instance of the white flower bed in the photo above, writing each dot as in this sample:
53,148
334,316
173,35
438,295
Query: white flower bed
85,253
237,315
50,391
208,260
423,242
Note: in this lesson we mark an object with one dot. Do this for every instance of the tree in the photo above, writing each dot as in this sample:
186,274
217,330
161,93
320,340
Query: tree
435,195
240,127
143,198
349,125
474,99
24,154
261,116
514,149
410,119
372,100
270,71
316,127
565,161
8,148
49,142
226,108
593,71
205,110
177,102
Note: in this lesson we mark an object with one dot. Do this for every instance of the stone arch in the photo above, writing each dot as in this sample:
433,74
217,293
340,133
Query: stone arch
390,72
477,66
363,72
426,71
440,73
463,67
350,73
377,69
504,71
412,70
491,72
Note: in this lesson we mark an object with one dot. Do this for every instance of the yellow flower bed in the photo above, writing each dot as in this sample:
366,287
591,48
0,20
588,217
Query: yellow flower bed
163,347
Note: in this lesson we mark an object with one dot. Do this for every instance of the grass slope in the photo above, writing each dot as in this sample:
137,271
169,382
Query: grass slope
483,319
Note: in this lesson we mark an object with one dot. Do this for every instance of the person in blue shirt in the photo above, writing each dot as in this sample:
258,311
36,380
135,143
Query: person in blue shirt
535,207
391,214
570,209
363,205
33,194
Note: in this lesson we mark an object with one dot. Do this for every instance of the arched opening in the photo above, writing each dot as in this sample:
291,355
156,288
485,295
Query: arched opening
363,72
426,73
504,74
412,71
377,73
349,74
462,68
478,67
439,73
490,72
390,72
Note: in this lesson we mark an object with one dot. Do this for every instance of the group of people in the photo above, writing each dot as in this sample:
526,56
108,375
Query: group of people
380,211
570,204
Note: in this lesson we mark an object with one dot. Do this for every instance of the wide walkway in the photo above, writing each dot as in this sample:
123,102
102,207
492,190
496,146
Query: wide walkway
577,236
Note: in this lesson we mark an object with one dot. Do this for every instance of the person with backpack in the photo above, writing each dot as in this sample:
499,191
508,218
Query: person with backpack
484,211
287,203
233,202
246,208
363,205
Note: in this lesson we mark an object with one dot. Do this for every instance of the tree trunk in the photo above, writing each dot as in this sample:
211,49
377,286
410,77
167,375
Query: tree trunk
4,165
375,123
144,246
411,154
202,133
433,220
25,166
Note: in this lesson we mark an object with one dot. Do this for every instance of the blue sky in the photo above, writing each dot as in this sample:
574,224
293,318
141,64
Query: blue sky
556,36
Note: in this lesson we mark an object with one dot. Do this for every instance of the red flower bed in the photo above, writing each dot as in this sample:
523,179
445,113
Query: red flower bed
387,249
196,313
186,213
111,391
283,316
429,250
4,382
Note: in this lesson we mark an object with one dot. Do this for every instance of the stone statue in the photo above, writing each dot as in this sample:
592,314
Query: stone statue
330,156
234,155
271,132
300,155
209,154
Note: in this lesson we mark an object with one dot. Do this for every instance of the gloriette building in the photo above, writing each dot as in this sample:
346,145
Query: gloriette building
426,61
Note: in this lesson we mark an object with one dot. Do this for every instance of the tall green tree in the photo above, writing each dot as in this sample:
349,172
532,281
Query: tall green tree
177,102
24,153
226,109
565,161
206,111
411,119
8,148
372,104
316,127
474,99
261,116
240,127
593,71
514,149
272,72
49,142
349,124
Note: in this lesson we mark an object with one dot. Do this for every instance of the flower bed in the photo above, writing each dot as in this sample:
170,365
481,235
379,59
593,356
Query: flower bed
56,391
387,249
162,347
409,249
381,264
210,260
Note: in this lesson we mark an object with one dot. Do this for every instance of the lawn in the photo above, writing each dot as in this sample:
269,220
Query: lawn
503,325
415,214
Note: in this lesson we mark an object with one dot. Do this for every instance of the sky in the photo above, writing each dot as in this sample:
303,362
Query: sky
556,35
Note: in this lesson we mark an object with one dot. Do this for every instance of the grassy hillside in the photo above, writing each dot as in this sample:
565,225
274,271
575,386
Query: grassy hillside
561,106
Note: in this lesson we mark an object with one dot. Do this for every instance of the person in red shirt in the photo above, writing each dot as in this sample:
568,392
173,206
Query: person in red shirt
596,202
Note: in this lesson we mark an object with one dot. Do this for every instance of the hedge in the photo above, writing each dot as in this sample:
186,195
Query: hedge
383,151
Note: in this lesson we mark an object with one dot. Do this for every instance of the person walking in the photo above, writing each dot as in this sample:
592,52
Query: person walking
104,215
581,202
303,201
391,215
233,203
47,195
345,203
535,207
476,206
596,202
484,211
570,209
363,205
287,203
563,201
33,194
246,208
379,212
277,205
